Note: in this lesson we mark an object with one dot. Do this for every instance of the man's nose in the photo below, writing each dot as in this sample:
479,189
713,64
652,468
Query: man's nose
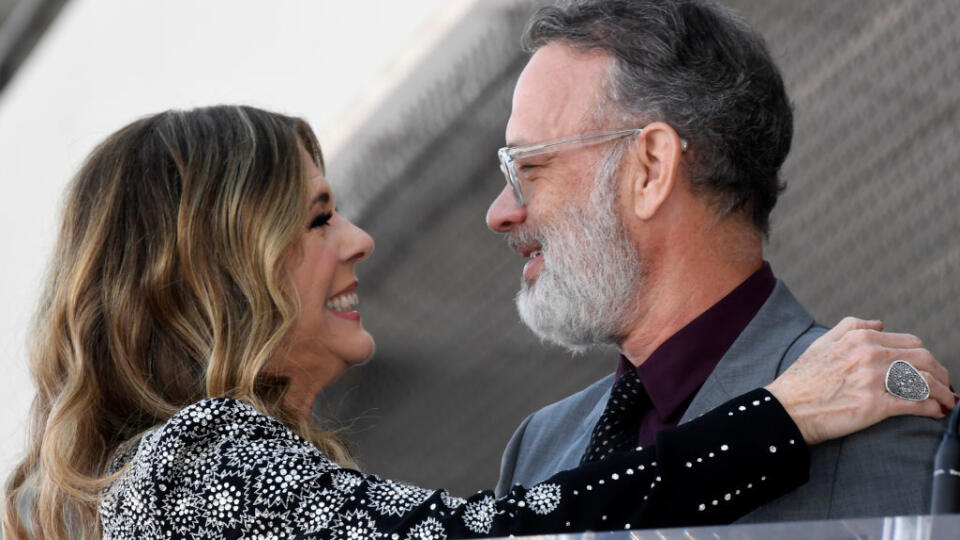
505,213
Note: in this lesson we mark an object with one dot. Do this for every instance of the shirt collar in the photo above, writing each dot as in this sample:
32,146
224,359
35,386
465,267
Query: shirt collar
681,364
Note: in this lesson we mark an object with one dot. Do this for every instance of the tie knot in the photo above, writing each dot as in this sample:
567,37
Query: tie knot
628,389
617,429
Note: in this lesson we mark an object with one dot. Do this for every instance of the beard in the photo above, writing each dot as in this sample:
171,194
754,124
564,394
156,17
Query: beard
591,273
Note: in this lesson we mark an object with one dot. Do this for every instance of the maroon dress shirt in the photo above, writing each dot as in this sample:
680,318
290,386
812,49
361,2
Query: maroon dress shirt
677,369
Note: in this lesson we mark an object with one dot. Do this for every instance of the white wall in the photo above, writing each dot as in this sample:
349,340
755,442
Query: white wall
106,62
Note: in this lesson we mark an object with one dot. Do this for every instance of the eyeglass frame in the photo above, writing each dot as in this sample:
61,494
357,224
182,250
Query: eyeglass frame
508,155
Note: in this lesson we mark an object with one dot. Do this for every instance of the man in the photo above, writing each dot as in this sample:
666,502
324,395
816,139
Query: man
652,240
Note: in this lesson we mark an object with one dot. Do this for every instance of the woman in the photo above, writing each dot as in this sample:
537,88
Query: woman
203,292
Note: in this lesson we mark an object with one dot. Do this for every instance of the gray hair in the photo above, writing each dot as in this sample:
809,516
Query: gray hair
699,68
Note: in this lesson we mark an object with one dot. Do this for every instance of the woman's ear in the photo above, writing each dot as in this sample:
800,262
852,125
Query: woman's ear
655,158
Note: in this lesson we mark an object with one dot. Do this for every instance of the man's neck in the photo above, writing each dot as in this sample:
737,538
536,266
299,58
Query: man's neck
674,295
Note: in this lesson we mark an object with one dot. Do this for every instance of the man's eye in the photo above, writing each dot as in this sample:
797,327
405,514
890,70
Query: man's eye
526,169
321,221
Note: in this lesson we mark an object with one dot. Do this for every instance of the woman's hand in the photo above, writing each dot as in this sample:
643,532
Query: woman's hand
836,387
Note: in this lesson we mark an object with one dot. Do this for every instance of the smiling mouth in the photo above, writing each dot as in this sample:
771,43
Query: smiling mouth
344,302
534,264
526,250
527,246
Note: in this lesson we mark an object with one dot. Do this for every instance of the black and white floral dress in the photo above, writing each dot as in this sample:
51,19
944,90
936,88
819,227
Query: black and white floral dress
221,469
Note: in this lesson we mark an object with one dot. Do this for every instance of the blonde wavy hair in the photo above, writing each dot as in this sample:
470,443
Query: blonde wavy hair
168,285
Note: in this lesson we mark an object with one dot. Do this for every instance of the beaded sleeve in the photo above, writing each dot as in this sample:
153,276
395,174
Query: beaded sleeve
221,469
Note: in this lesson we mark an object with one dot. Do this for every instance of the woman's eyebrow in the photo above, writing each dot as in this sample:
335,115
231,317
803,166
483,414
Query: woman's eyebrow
323,197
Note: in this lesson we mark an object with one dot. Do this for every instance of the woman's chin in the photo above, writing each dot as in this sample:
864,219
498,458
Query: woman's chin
355,350
366,352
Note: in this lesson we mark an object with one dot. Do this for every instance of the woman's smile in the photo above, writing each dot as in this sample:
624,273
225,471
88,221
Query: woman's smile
344,303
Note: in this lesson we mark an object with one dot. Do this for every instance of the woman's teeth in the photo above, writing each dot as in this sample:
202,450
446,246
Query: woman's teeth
344,302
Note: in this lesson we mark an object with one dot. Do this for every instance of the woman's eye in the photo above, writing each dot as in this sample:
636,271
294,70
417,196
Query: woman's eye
321,220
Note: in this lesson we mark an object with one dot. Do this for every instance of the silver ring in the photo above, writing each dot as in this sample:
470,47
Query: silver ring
905,382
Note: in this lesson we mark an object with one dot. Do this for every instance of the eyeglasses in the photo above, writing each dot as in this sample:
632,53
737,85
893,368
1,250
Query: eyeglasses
510,155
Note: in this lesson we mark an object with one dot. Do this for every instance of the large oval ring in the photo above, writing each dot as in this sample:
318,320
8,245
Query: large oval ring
905,382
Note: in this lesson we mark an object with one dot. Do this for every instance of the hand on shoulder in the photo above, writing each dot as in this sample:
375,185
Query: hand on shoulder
836,387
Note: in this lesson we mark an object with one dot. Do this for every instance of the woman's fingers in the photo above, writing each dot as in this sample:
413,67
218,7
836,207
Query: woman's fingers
849,324
939,392
929,407
941,398
888,339
924,361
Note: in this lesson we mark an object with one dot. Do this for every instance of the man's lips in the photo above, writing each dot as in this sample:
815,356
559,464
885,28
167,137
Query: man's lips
532,269
525,250
534,255
526,246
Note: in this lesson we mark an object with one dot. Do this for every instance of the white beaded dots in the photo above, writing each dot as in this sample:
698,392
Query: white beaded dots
726,497
755,403
689,464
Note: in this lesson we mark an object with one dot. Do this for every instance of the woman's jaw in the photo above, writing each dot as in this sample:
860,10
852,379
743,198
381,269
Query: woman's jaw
329,345
312,367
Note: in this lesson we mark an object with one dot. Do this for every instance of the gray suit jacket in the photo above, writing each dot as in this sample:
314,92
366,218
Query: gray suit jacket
883,470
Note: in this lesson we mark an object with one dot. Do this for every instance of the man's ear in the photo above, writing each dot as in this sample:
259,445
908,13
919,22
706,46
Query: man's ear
656,159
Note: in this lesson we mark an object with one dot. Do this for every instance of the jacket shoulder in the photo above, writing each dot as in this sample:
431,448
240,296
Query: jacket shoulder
562,418
801,344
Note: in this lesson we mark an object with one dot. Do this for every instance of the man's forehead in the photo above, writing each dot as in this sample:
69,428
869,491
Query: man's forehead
559,88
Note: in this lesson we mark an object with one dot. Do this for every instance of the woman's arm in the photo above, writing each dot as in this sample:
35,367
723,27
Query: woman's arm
711,470
220,468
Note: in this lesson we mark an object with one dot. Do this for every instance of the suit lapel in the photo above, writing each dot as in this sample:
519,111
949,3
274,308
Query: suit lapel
579,445
754,358
591,419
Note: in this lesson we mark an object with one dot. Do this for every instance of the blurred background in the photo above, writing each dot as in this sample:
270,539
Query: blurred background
409,100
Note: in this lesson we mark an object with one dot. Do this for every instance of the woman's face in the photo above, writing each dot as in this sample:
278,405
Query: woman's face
328,336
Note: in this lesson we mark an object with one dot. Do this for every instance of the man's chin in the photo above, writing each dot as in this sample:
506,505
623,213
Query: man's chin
543,324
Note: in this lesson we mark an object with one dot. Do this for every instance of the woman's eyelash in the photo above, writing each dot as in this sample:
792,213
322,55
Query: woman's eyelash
321,220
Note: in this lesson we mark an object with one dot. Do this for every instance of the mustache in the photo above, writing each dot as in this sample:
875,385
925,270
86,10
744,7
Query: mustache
520,238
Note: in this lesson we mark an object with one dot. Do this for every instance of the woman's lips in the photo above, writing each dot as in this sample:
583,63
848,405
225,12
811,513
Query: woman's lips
344,304
348,315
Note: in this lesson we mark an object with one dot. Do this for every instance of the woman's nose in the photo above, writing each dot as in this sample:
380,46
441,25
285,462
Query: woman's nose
360,244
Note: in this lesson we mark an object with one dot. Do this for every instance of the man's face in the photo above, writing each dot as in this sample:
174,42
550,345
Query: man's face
582,268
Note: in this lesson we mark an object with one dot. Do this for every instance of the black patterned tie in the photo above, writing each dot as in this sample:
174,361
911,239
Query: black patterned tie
617,429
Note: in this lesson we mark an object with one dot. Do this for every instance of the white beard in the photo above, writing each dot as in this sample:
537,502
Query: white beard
591,271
